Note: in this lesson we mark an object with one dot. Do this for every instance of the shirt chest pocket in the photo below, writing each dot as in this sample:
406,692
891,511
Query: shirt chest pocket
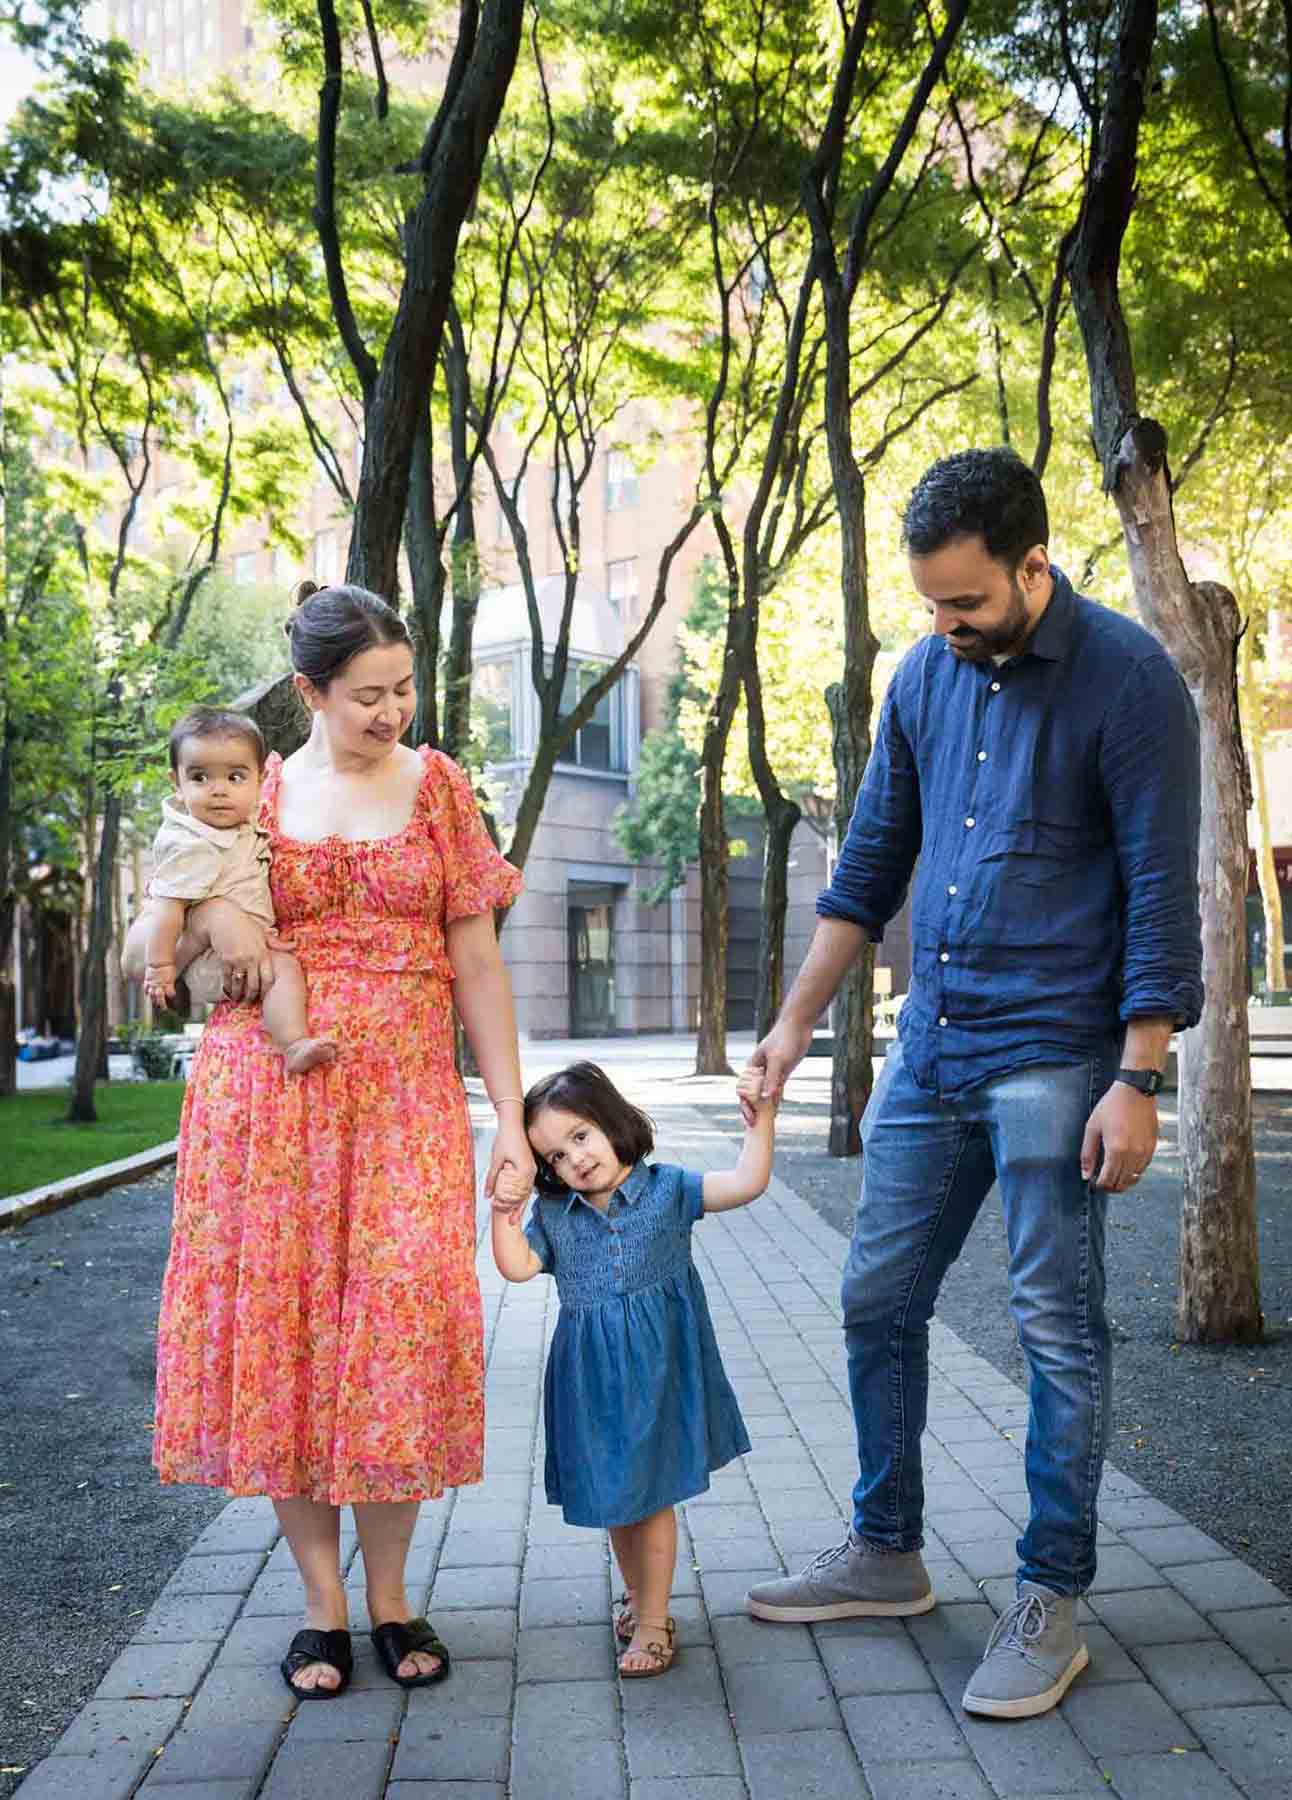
1036,853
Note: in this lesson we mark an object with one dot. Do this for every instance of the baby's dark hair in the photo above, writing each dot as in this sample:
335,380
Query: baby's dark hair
215,722
586,1090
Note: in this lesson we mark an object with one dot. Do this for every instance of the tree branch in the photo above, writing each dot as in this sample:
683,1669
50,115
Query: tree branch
1282,212
381,99
365,366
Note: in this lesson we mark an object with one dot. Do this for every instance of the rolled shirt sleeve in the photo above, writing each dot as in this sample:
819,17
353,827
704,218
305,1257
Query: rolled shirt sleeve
874,867
1150,769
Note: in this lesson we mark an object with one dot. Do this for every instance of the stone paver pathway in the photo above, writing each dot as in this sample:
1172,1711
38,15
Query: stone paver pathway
1188,1695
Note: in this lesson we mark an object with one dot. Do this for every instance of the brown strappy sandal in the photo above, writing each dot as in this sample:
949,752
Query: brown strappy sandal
625,1619
660,1651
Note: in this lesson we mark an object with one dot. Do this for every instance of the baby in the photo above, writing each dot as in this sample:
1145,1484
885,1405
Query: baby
209,845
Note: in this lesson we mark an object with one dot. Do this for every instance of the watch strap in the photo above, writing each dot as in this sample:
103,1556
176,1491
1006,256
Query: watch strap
1146,1081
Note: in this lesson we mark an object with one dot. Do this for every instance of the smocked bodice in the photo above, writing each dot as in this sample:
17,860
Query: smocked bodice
383,903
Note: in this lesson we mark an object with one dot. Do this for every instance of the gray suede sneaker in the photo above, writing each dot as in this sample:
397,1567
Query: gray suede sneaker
1033,1655
851,1581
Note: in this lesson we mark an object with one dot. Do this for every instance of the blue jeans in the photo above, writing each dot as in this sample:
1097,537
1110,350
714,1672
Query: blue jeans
928,1165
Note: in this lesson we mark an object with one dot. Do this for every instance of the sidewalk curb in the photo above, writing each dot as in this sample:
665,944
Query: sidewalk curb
16,1209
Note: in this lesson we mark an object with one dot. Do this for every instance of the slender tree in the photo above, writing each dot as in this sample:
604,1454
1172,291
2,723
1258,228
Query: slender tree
396,388
1219,1287
841,275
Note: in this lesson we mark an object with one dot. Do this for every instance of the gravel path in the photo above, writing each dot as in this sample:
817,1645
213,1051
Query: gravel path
87,1535
1209,1431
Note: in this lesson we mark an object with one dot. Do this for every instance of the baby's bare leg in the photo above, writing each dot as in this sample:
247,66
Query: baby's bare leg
283,1010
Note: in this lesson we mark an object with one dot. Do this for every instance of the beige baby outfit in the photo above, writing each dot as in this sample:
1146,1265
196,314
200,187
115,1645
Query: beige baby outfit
193,862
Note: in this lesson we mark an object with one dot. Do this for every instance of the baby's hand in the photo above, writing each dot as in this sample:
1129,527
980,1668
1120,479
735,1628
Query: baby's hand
159,982
749,1088
510,1190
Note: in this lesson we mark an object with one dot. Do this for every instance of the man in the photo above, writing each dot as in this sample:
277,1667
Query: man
1039,755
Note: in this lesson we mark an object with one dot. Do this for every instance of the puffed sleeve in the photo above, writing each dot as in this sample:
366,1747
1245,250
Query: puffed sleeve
538,1240
476,877
691,1198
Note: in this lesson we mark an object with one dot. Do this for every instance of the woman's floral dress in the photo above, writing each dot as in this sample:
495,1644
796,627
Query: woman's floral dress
320,1330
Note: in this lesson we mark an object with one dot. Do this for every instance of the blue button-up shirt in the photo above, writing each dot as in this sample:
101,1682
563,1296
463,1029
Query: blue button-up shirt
1052,802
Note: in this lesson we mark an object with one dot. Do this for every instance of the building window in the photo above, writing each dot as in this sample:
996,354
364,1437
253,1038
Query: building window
327,562
621,587
208,31
244,568
492,694
284,567
621,481
600,743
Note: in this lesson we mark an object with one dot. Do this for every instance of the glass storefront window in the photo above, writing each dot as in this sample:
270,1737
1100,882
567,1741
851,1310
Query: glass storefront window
492,685
598,744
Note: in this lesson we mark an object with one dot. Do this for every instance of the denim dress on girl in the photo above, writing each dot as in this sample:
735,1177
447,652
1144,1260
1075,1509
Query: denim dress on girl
637,1407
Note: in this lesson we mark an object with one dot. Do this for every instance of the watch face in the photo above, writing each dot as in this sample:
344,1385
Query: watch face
1144,1081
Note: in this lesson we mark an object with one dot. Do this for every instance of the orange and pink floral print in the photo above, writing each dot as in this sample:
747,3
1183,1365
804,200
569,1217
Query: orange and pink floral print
320,1330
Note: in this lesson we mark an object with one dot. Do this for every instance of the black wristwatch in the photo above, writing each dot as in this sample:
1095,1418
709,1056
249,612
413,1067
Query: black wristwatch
1147,1081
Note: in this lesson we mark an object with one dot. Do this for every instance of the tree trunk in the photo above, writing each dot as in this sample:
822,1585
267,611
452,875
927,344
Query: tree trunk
466,554
1198,622
781,824
1219,1297
452,161
1219,1294
1267,875
852,1066
711,1039
423,541
91,1037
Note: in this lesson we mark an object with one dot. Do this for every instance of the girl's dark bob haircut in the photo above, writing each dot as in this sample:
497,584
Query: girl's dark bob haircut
587,1091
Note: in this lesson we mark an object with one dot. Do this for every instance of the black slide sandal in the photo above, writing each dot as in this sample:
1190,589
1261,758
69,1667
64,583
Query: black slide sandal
310,1646
396,1640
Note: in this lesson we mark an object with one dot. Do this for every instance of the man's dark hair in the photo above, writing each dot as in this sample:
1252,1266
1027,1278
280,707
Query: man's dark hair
991,494
215,722
587,1091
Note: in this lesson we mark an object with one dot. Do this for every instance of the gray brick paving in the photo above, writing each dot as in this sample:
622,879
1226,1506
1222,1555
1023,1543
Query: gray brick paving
1189,1692
1168,1778
201,1790
110,1774
218,1753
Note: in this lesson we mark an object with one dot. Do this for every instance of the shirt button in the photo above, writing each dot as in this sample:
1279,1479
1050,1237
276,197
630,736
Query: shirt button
995,687
982,756
945,956
953,889
970,823
942,1021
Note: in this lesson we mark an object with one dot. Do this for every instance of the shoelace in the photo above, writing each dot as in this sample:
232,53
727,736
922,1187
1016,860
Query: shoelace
827,1557
1019,1626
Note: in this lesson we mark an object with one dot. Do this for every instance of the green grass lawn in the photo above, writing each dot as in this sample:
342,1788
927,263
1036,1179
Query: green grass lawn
39,1147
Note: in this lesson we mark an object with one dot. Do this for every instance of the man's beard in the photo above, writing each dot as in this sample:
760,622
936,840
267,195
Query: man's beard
998,640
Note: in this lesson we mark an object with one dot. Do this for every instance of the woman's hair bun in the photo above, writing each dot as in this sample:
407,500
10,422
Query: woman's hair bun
300,594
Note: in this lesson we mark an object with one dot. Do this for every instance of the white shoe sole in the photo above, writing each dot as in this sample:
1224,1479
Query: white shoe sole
847,1609
1030,1704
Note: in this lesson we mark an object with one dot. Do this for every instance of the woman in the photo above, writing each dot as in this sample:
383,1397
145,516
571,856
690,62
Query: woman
320,1337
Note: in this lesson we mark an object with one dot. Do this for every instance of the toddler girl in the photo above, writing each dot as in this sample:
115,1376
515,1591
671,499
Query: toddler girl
209,845
637,1406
